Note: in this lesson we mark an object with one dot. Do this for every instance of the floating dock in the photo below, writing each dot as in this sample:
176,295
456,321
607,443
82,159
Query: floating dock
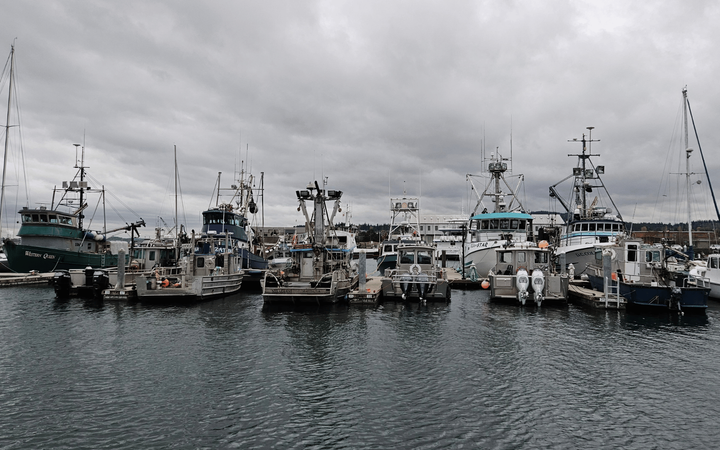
370,295
456,281
580,293
19,279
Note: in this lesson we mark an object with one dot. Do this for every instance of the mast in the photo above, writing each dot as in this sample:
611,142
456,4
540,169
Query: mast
176,190
7,132
702,156
688,152
81,216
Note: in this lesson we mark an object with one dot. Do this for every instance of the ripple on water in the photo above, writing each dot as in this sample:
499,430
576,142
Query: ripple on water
230,373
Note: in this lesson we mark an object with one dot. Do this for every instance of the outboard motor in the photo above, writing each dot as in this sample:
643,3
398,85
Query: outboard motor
538,284
62,284
101,281
522,282
405,280
422,280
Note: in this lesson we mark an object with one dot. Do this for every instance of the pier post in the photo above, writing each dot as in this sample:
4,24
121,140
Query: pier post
362,271
121,270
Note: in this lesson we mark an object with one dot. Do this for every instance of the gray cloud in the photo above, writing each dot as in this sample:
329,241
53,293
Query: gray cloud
376,96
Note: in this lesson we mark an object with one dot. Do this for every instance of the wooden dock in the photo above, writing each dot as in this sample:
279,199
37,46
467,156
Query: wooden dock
19,279
580,293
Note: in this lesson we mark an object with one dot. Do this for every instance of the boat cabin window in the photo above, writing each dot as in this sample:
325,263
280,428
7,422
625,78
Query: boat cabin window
65,220
632,253
53,218
504,224
493,224
151,255
36,218
714,263
505,257
407,258
521,258
584,227
652,256
592,227
387,249
423,257
541,257
200,262
615,227
43,218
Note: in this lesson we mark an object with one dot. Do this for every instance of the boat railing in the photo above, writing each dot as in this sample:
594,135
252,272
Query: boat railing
413,279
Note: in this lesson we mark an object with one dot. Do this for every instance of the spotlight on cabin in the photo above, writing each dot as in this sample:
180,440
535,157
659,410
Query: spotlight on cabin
600,170
334,195
303,195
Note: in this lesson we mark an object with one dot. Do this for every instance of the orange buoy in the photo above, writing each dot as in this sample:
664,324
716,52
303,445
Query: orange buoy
485,284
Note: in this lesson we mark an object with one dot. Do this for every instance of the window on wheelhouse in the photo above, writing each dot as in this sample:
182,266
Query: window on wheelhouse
713,264
423,257
26,218
541,257
632,253
652,256
407,257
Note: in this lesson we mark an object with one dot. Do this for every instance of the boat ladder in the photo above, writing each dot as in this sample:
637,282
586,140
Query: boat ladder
611,293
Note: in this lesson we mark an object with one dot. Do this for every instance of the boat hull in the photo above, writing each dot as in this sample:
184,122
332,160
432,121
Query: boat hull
27,258
200,288
482,255
648,297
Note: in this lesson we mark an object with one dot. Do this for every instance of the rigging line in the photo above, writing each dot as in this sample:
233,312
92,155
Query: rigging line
697,138
91,178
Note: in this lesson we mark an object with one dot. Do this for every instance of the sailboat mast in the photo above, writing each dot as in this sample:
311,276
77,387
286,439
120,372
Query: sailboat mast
688,152
176,190
7,133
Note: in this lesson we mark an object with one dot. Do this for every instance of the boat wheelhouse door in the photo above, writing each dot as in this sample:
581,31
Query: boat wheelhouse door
306,266
632,266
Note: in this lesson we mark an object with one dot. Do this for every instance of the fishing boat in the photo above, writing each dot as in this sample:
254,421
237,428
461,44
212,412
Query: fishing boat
55,239
233,216
146,256
524,272
404,228
640,273
209,267
450,241
320,271
416,275
505,221
590,223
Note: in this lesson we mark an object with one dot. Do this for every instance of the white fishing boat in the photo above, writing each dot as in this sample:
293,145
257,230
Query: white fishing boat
404,228
320,270
590,223
498,224
209,267
524,273
416,275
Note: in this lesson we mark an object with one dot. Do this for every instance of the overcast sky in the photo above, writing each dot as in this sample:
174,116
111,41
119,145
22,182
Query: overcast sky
377,96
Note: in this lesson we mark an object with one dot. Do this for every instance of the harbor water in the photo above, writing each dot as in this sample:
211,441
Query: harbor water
229,373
